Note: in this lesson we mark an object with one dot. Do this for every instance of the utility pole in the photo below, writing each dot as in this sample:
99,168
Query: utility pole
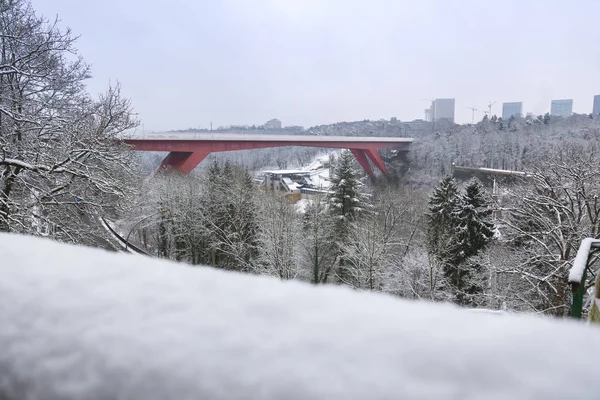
473,109
490,107
211,125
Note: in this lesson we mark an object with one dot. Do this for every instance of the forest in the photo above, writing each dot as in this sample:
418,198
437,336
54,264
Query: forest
421,234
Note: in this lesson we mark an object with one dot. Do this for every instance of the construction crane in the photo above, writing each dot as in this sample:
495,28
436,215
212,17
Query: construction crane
490,107
473,109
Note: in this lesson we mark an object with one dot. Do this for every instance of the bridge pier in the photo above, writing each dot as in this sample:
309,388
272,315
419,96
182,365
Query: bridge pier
360,156
183,161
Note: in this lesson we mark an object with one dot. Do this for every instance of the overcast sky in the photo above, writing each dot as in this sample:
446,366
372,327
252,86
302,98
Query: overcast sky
185,63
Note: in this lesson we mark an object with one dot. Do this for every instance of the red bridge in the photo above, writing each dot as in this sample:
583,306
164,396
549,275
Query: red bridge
186,151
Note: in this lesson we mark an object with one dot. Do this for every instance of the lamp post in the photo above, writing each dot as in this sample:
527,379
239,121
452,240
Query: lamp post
162,211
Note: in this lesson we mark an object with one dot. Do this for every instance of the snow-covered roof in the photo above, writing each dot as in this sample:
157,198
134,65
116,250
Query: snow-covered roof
314,165
321,180
291,185
80,323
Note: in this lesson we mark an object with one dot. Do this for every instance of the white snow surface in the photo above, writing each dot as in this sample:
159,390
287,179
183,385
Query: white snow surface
301,205
580,262
81,323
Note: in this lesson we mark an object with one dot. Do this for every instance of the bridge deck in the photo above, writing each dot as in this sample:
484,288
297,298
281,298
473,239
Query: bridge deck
186,151
235,137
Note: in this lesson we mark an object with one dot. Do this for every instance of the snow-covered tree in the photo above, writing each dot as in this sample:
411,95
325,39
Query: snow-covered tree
459,227
474,219
472,233
555,208
378,239
210,220
279,236
345,198
416,275
230,216
318,250
60,161
345,202
441,216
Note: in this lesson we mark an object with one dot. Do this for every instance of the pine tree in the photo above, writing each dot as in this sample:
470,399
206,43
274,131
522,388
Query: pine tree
546,119
472,233
345,199
440,223
345,204
475,228
459,227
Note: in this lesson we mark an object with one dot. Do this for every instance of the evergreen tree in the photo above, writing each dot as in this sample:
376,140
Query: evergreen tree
345,204
345,199
546,118
512,122
475,229
440,222
459,228
472,233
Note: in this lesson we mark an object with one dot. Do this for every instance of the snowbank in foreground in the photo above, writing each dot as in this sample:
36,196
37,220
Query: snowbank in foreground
78,323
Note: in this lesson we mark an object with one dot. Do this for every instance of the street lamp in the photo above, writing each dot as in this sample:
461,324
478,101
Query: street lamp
162,211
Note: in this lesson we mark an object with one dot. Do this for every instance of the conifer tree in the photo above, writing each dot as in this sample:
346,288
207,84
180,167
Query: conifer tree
345,204
440,216
475,229
472,233
459,227
345,199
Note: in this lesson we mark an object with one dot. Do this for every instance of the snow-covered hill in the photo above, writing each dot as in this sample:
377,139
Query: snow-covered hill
80,323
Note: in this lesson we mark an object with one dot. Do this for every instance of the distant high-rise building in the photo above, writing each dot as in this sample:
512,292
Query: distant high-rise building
514,109
596,109
273,124
428,116
442,109
561,108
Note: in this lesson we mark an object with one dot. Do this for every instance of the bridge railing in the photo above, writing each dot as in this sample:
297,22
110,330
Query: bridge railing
584,259
127,245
